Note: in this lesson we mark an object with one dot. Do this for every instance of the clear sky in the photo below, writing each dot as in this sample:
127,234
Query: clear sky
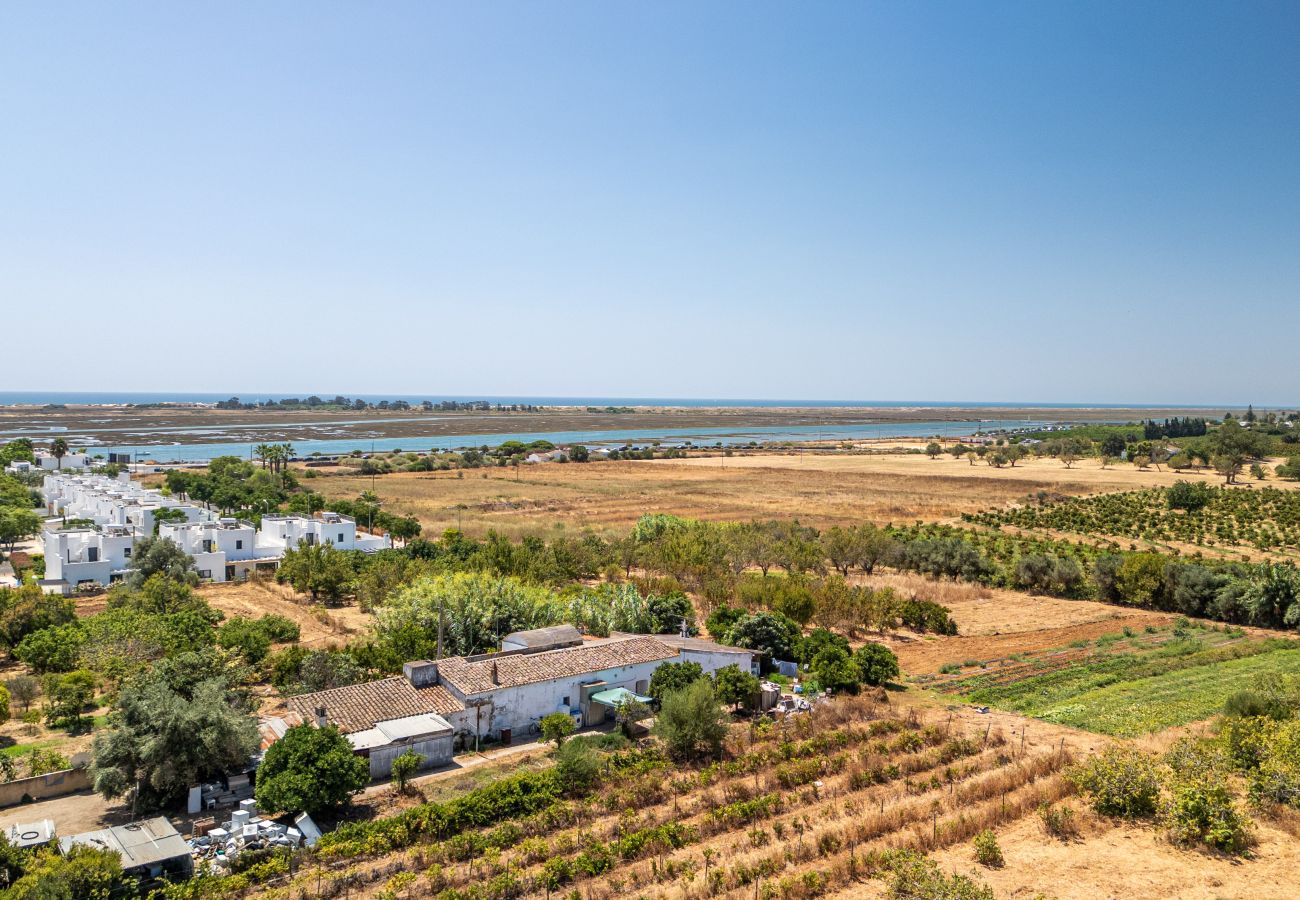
838,200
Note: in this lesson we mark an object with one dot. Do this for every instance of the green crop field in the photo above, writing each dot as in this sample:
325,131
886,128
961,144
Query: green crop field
1133,708
1128,685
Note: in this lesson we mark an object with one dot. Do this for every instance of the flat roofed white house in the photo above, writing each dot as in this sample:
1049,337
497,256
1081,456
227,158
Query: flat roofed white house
121,511
327,528
85,555
69,461
224,550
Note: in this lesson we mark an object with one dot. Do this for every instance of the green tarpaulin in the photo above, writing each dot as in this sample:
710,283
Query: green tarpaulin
614,696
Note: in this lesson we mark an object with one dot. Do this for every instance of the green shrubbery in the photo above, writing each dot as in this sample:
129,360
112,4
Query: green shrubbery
1120,782
987,851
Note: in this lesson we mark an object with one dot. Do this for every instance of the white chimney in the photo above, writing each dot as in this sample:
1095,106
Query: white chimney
321,720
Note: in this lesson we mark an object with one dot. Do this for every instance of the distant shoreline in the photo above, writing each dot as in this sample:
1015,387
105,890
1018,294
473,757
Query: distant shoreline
120,399
188,433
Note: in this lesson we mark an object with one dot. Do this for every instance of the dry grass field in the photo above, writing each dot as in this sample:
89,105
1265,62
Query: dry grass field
820,490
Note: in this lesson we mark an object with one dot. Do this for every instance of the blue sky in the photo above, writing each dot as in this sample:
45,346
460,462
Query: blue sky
981,201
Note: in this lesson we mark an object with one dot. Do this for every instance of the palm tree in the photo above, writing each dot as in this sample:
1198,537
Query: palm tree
263,453
372,501
59,449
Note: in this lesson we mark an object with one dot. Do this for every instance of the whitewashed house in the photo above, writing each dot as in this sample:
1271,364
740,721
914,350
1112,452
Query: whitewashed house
85,555
335,529
504,695
224,550
69,461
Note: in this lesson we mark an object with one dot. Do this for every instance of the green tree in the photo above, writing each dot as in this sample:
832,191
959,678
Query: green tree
557,727
54,649
160,556
310,770
66,699
671,677
933,450
17,450
735,686
816,641
876,663
27,609
835,670
177,725
771,634
317,569
691,723
17,524
405,765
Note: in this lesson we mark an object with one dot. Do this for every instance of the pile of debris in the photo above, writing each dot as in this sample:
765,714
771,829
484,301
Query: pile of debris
244,832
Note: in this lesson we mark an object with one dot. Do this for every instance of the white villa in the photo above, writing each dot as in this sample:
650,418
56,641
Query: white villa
111,514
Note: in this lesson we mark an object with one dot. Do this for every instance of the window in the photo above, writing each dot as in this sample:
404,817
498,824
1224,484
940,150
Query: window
239,545
205,573
340,537
565,701
126,551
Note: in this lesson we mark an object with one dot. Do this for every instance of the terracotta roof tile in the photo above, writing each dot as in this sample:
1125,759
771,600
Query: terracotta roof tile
475,677
358,707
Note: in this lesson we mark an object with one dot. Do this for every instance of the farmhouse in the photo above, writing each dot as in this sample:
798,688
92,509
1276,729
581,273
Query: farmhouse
504,694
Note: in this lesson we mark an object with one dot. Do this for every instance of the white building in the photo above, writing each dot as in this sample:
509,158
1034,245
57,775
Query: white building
112,501
120,511
224,550
327,528
504,695
86,554
69,461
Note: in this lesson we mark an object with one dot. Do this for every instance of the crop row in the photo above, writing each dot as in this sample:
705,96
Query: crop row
1266,519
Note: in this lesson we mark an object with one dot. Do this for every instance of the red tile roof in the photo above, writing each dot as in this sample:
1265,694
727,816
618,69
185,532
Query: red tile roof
358,707
476,677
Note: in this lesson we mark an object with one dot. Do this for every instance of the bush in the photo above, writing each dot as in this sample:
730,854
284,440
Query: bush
404,766
557,727
1120,782
916,877
1058,821
576,766
1200,810
987,851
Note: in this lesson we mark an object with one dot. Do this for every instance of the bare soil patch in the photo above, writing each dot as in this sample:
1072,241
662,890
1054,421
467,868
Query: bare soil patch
320,626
